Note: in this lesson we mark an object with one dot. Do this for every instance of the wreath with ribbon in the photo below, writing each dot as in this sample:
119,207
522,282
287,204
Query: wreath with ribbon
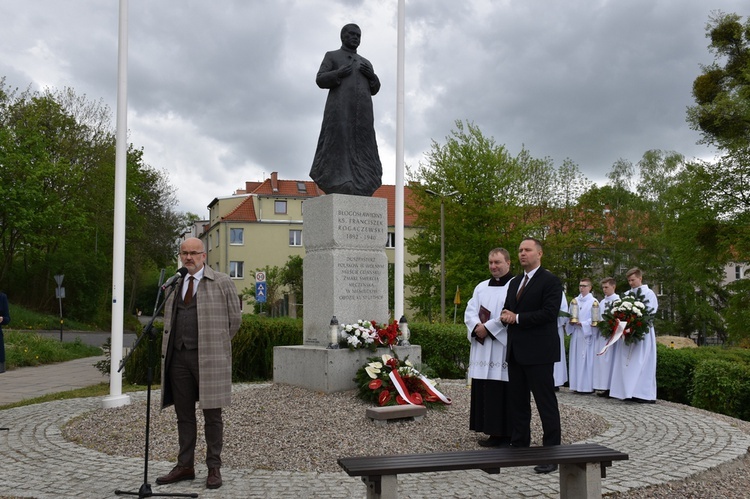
385,380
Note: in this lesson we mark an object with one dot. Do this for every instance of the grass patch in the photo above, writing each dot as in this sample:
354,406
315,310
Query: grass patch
100,390
24,349
28,320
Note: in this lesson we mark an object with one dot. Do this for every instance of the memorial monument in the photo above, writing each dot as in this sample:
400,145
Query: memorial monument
345,269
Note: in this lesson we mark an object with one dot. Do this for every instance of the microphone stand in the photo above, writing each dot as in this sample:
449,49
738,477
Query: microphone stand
145,490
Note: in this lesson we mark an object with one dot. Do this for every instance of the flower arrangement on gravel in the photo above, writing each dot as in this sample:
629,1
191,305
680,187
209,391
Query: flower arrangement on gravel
385,380
368,334
632,316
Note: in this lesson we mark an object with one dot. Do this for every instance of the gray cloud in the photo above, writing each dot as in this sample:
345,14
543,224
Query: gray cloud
221,93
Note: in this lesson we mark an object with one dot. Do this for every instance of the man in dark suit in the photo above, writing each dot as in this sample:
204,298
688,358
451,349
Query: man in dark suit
531,309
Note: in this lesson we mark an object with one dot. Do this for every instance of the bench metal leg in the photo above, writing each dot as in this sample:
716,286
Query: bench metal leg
381,487
579,480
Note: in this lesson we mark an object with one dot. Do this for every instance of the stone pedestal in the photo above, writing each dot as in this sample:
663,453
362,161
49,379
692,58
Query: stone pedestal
345,274
328,370
345,268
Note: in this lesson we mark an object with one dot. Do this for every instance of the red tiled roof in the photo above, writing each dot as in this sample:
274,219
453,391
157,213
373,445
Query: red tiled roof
288,188
245,211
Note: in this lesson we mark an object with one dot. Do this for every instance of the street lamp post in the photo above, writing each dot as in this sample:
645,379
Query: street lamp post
442,247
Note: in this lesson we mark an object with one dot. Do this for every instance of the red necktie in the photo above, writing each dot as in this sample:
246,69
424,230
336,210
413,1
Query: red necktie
189,293
523,285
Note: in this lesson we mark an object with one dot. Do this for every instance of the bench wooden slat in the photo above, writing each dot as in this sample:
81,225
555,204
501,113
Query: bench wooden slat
479,459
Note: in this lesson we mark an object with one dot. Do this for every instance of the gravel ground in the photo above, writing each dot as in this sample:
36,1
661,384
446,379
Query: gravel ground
286,428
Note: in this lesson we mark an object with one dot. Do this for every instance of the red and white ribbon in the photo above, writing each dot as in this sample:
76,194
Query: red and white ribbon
434,391
616,335
398,382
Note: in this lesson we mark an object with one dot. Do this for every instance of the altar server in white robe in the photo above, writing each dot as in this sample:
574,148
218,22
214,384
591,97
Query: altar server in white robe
581,355
603,363
560,370
488,370
634,367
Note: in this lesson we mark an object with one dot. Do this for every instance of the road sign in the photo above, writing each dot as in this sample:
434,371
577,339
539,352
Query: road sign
260,292
260,277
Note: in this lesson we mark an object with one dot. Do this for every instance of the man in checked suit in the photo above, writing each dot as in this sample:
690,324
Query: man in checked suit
201,317
531,309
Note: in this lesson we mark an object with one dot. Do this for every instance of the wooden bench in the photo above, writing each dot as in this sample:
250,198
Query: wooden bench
582,466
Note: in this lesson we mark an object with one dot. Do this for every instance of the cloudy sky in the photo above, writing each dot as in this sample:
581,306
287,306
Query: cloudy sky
224,92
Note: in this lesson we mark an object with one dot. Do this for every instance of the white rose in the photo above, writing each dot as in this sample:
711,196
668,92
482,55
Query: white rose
353,341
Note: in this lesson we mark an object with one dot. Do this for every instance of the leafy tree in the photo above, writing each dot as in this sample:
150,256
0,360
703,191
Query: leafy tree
482,215
56,168
291,275
722,93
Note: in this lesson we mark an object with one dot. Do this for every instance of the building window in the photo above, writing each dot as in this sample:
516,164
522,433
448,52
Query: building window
237,270
424,268
218,239
301,187
236,236
738,272
391,241
295,238
279,207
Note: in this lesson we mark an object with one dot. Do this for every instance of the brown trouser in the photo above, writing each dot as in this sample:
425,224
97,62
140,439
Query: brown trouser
183,377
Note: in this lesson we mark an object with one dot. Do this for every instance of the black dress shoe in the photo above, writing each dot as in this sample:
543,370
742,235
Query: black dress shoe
177,474
643,401
213,480
495,442
545,468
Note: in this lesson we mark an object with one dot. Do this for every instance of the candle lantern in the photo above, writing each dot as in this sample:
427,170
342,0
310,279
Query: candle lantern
574,312
334,338
403,326
596,316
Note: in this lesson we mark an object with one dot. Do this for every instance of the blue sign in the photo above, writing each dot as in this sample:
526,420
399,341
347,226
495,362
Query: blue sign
260,292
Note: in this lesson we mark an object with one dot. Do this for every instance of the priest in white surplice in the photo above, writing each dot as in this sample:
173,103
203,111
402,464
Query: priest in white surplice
488,370
634,367
581,354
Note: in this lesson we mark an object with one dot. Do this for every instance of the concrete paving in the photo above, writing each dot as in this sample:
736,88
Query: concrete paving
665,442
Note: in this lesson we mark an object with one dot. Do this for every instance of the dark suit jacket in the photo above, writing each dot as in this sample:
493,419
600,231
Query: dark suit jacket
535,340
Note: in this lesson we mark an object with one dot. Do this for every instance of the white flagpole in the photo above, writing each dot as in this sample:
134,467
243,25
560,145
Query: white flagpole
398,280
115,397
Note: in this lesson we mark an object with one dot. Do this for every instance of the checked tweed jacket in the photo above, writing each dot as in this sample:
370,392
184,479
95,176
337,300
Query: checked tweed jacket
219,319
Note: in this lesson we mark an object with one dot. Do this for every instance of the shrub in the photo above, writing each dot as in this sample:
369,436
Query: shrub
252,347
674,373
444,347
723,387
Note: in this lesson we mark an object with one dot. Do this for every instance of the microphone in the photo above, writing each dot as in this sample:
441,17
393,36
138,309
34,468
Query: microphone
181,272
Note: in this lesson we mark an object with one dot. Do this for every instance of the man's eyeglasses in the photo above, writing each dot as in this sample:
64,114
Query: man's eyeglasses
191,253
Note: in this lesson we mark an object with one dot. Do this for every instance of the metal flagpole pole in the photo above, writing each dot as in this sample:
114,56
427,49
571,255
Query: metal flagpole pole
115,397
398,279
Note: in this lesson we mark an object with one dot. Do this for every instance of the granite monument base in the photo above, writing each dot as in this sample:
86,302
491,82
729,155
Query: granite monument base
328,370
